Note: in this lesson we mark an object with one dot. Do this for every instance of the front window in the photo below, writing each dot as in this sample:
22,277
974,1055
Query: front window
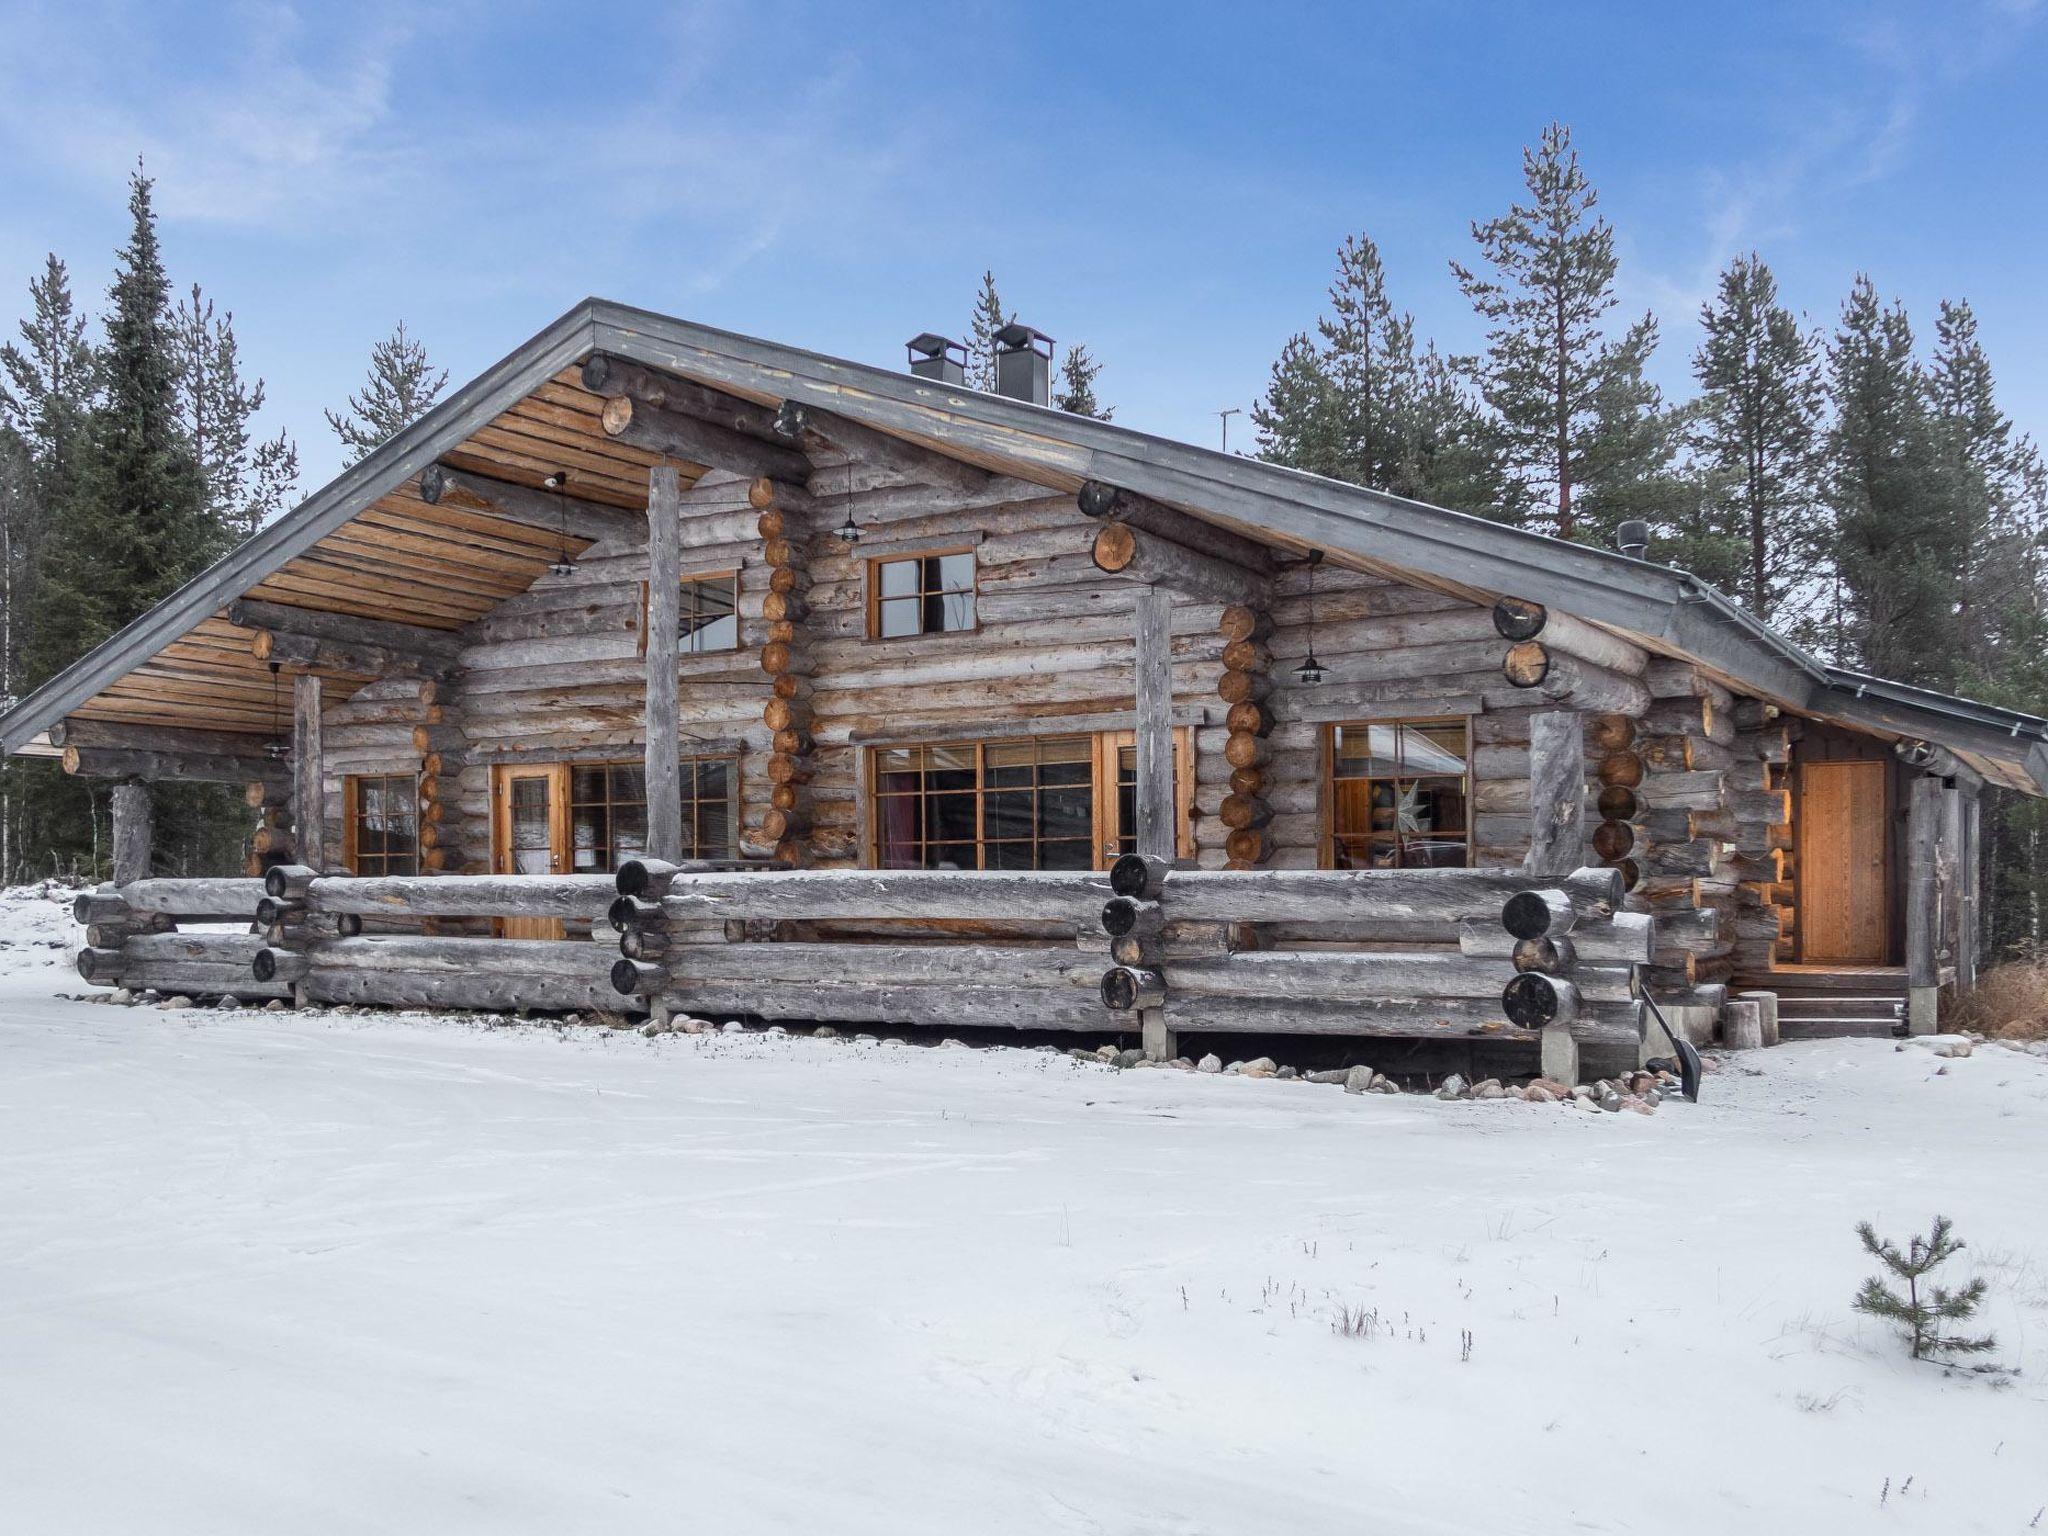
383,824
1398,795
921,595
986,805
608,813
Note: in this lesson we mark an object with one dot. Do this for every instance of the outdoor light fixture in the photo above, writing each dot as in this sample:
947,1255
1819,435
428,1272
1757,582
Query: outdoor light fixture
1312,671
848,532
276,751
558,482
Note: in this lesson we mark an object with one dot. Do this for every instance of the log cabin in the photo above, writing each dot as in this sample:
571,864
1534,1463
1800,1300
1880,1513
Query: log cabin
664,668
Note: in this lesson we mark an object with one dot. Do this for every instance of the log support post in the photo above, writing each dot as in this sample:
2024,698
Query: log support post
133,831
1923,917
1557,837
664,626
309,799
783,525
1154,710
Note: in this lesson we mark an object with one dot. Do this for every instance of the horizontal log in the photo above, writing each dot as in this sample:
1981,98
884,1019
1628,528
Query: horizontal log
162,767
825,894
607,375
1395,1018
225,897
310,653
1244,621
535,507
946,1007
801,425
1563,678
159,738
345,628
1100,500
1533,1000
1344,976
1125,989
696,441
1625,938
1147,559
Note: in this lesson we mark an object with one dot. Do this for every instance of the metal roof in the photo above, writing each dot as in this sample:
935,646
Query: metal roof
1670,609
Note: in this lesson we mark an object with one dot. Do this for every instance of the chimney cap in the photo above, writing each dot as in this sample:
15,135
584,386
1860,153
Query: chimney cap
932,344
1632,538
1017,336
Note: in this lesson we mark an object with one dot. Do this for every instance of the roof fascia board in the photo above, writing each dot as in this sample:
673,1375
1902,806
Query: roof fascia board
356,488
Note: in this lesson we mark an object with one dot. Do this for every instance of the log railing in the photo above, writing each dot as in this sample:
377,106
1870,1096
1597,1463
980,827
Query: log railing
1518,952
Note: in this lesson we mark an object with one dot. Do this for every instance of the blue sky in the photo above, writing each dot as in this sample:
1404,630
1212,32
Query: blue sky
1167,183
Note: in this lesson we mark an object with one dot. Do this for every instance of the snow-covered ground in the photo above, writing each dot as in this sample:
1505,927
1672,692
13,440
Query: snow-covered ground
267,1273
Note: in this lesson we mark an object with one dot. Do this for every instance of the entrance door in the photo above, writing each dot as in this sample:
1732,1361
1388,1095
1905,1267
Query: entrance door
530,834
1843,889
1116,773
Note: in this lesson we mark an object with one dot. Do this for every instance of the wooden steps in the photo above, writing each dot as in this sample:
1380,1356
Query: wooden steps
1864,1002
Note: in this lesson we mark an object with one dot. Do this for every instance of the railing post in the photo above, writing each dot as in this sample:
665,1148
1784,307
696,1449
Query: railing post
1923,916
309,800
133,829
664,626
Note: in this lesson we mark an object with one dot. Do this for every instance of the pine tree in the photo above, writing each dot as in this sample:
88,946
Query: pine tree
246,484
1295,417
1547,359
1922,1319
1452,454
1076,394
1758,437
988,318
1896,539
1630,467
402,384
1368,357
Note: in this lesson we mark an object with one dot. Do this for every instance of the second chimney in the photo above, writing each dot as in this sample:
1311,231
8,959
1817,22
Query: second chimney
1024,364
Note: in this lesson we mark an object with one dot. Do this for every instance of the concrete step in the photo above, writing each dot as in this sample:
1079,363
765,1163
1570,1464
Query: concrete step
1840,1029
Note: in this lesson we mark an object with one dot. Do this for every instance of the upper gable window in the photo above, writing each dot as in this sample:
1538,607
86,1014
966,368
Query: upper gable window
921,595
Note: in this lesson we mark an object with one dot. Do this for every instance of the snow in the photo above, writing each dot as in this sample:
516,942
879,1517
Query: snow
279,1272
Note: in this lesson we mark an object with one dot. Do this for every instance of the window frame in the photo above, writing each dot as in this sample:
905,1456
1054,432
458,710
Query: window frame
352,810
688,762
1104,816
1326,799
872,583
686,605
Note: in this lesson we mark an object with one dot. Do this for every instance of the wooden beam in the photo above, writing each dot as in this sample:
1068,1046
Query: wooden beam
664,622
345,628
156,738
1122,550
611,376
797,422
153,767
1100,499
531,507
309,800
1557,792
309,653
674,435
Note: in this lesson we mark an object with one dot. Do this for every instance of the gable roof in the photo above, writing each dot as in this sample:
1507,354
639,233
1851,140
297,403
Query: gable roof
1670,610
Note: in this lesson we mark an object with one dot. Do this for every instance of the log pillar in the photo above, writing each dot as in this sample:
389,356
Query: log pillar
1970,873
664,631
309,798
134,827
1153,705
1557,838
1923,916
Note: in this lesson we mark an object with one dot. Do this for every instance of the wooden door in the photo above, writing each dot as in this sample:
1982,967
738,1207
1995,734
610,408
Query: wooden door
1116,792
1843,879
530,834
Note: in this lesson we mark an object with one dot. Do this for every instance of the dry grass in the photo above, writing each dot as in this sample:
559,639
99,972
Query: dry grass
2010,1003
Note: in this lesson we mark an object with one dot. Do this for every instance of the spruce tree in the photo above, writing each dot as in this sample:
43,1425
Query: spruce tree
1629,468
1076,394
246,484
1452,453
987,318
1896,533
401,386
1551,283
1923,1318
1368,357
1757,433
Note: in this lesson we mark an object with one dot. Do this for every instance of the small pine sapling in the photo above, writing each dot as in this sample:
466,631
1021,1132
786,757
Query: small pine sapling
1923,1318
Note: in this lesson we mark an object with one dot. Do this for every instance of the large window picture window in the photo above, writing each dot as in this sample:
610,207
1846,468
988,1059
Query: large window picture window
1399,795
986,805
608,813
920,595
383,826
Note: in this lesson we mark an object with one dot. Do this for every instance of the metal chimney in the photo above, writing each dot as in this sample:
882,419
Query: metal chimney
1632,538
937,357
1024,364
